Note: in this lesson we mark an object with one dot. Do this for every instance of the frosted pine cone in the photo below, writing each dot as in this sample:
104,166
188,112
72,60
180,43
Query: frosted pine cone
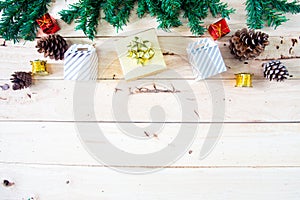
275,70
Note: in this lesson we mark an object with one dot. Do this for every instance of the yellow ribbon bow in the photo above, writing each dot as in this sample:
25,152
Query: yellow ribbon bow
46,19
140,50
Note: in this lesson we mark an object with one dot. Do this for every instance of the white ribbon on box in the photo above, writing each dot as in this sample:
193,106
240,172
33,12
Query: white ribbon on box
205,58
81,63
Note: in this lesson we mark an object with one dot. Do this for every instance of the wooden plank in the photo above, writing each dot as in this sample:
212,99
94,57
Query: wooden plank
54,100
19,55
41,152
242,145
51,182
237,21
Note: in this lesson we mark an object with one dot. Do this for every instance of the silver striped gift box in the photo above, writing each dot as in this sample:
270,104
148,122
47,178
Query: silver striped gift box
81,63
205,58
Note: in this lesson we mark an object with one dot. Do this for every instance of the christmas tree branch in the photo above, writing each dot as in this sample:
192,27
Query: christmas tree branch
86,14
69,15
142,8
271,12
167,12
18,19
196,11
284,6
274,18
195,20
168,15
254,15
117,12
216,7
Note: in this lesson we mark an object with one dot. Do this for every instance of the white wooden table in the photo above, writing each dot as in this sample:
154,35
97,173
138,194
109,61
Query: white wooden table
257,156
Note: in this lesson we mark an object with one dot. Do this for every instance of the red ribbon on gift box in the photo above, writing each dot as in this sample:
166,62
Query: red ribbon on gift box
48,24
218,29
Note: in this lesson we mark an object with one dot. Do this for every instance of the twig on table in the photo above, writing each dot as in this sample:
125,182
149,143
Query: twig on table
168,54
139,90
4,44
147,134
197,113
155,135
130,92
117,89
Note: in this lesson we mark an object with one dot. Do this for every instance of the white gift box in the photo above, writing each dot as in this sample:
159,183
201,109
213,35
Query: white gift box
81,63
205,58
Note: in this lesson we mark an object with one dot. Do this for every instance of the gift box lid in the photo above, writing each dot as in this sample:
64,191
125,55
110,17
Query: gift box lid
131,69
201,44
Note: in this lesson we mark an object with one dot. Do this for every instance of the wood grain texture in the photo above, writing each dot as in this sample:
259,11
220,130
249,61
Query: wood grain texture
240,145
51,182
55,100
256,157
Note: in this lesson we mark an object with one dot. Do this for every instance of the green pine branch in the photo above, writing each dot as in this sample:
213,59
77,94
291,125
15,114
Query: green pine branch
18,20
216,7
117,12
254,15
72,13
86,14
196,11
286,7
167,13
195,19
269,12
142,8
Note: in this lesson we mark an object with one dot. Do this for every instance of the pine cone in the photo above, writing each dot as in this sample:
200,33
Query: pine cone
275,70
21,80
246,44
53,46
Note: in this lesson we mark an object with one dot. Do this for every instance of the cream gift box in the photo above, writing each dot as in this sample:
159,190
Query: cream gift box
205,58
81,63
130,67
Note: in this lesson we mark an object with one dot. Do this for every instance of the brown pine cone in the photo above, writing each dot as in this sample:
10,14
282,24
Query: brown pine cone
53,46
246,44
21,80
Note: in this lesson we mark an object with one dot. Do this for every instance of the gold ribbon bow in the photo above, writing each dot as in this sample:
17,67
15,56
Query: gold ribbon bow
140,50
46,19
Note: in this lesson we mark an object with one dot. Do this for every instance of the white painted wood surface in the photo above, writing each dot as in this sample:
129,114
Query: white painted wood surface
256,157
50,182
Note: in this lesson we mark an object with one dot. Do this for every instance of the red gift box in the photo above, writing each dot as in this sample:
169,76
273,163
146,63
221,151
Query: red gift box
218,29
48,24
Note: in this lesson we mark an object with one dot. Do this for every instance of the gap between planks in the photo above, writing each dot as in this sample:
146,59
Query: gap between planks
238,145
146,167
148,122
